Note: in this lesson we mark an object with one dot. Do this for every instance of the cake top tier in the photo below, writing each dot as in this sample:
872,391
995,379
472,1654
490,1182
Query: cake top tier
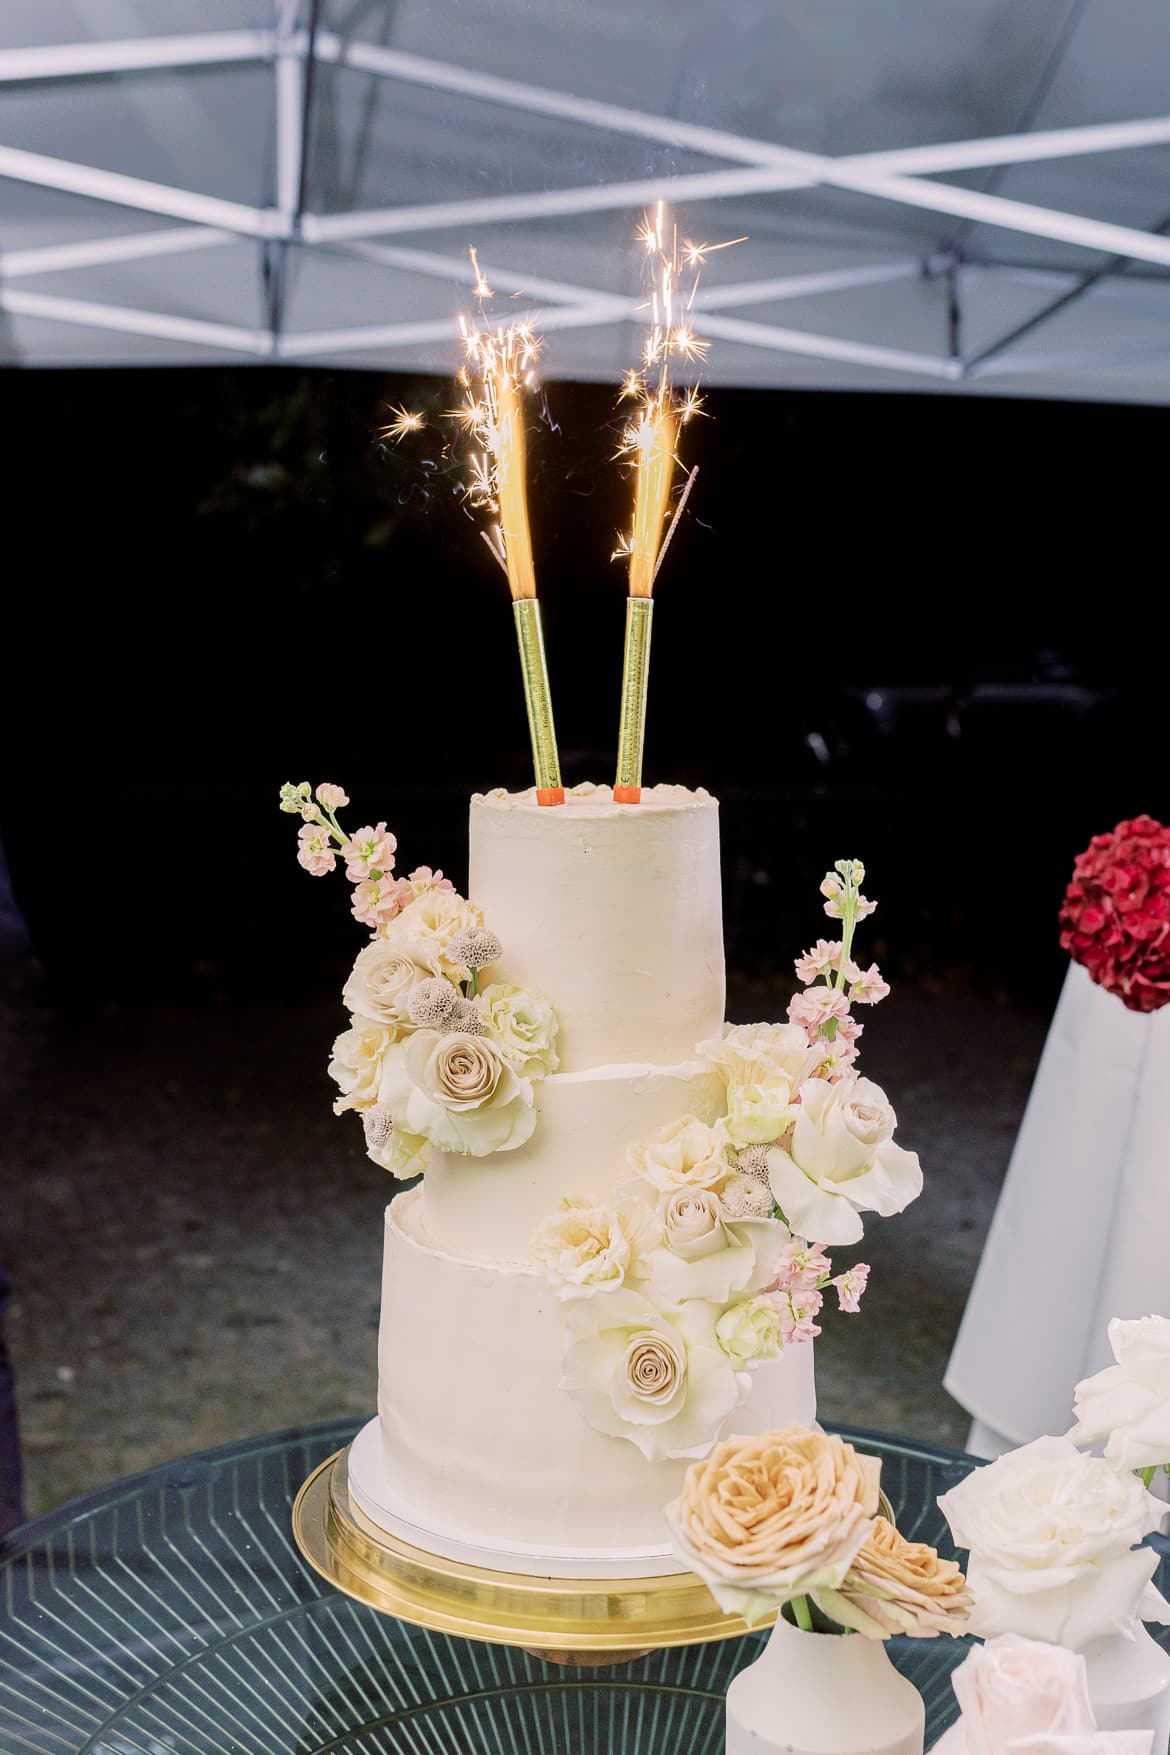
612,911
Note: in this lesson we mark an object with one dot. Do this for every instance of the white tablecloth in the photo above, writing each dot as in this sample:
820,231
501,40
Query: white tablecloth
1082,1229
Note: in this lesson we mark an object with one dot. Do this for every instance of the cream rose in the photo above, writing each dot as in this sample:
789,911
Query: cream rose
758,1114
1013,1690
1052,1537
766,1519
404,1155
1129,1402
662,1381
586,1249
896,1586
842,1162
752,1054
524,1025
380,986
749,1332
356,1064
424,929
703,1254
687,1154
457,1091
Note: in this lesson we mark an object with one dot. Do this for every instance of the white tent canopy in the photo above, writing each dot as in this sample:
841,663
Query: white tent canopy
965,195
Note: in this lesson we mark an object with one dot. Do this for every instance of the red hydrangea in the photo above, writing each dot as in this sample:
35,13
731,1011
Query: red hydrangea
1116,913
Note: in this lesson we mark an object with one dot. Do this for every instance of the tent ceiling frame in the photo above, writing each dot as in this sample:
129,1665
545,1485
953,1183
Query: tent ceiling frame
750,166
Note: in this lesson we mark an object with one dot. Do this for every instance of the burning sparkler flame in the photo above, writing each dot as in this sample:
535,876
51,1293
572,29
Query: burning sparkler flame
406,420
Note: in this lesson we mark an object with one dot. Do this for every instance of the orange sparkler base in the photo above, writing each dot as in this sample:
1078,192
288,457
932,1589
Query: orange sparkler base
550,795
627,795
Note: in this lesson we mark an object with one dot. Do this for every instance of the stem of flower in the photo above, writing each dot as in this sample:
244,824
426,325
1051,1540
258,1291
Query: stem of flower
1148,1476
802,1614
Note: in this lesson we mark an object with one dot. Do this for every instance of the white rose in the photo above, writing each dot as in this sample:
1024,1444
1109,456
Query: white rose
457,1091
661,1381
1011,1690
842,1162
586,1249
758,1114
704,1255
687,1154
750,1332
524,1025
356,1064
425,927
1129,1403
403,1154
1052,1536
751,1054
380,985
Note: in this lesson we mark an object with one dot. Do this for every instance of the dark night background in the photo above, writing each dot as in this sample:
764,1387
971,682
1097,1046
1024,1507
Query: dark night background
919,630
901,626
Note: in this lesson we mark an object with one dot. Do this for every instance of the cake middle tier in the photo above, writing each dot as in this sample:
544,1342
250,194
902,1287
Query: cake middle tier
489,1207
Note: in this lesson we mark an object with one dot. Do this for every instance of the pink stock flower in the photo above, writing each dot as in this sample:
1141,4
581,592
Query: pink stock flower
376,901
865,908
821,961
315,852
797,1312
839,1058
332,797
423,878
369,851
803,1266
866,986
815,1006
849,1286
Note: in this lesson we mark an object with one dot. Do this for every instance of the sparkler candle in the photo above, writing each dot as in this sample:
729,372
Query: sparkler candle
651,442
497,367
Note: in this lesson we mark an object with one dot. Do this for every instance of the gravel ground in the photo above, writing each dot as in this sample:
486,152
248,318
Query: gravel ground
194,1240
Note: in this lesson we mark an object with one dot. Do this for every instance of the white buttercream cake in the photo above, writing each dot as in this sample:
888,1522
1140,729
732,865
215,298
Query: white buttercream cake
614,913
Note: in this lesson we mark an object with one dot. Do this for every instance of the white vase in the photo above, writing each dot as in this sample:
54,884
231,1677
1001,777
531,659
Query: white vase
823,1694
1129,1684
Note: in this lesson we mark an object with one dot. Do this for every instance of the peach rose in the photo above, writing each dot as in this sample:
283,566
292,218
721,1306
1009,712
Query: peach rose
896,1586
765,1519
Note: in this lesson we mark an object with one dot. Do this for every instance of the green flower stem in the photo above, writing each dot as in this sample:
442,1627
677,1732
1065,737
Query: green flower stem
848,926
1148,1476
802,1614
474,983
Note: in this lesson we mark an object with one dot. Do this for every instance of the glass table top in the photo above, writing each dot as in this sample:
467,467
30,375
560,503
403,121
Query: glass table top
171,1614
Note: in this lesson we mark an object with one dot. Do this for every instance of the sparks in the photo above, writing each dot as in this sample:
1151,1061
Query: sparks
406,420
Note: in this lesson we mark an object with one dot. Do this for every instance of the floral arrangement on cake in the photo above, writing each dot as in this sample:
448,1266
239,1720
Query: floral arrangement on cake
790,1519
431,1057
711,1260
1115,918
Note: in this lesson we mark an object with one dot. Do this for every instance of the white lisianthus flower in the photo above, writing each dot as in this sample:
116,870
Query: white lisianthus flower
1129,1403
758,1114
587,1249
424,929
457,1091
687,1154
356,1064
525,1026
749,1332
752,1054
662,1381
842,1162
403,1154
380,985
1052,1535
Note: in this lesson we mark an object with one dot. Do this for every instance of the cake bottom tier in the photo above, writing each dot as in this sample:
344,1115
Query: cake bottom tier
483,1456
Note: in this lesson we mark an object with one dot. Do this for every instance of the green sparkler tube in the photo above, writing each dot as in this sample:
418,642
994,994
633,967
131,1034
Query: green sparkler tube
538,701
627,786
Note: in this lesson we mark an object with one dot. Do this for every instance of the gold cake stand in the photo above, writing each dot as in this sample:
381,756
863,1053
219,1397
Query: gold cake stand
563,1620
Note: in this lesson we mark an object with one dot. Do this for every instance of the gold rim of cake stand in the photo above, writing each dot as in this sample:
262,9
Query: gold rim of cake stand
560,1619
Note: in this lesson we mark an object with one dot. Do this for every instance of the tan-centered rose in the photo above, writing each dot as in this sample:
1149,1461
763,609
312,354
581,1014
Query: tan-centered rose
896,1586
380,985
765,1519
841,1162
687,1154
457,1091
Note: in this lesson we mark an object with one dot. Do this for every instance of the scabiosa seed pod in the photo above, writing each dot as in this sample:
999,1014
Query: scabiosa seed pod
475,947
744,1198
379,1125
466,1017
753,1162
432,1002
